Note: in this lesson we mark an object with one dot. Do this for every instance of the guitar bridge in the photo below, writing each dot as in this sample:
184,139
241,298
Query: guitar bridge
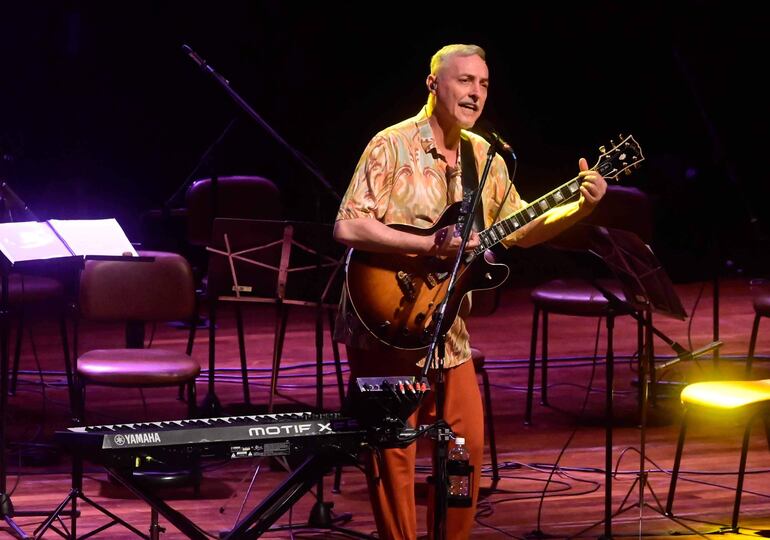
432,279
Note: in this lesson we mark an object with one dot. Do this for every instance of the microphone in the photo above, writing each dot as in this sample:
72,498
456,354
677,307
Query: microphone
497,141
502,144
15,201
197,59
684,354
205,66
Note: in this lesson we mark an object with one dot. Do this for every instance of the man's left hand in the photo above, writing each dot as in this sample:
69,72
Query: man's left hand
593,185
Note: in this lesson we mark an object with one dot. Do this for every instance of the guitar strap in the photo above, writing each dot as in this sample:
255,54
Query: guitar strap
470,181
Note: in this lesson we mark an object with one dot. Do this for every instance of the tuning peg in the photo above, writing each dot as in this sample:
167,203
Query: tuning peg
628,172
602,149
620,136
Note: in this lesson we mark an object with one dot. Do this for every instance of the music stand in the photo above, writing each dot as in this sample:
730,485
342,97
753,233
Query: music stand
284,263
31,244
647,288
7,510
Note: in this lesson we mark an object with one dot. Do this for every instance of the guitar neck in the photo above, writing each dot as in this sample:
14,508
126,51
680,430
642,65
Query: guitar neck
494,234
621,158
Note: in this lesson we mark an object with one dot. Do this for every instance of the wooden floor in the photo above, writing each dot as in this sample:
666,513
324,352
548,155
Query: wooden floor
574,499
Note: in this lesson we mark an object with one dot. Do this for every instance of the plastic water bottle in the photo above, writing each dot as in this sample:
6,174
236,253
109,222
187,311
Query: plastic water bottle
459,458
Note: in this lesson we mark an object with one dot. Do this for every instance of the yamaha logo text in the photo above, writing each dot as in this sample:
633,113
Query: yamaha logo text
136,438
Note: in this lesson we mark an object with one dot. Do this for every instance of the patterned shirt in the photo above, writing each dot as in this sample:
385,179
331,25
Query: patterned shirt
401,179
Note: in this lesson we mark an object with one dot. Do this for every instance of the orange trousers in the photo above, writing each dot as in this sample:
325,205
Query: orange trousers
391,471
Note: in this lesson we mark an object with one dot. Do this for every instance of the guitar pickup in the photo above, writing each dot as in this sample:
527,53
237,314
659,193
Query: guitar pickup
406,284
432,279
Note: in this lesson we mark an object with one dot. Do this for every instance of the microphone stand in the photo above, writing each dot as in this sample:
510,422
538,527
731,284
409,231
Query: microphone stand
204,159
245,107
211,401
719,159
437,344
320,514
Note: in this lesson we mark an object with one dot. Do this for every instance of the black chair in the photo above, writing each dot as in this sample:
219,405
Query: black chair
760,293
242,197
31,296
621,208
485,303
38,290
236,197
280,263
479,359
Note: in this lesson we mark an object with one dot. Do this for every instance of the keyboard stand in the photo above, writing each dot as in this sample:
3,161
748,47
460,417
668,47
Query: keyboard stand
259,520
329,439
76,494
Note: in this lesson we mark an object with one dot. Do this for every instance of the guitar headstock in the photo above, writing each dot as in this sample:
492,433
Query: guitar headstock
621,158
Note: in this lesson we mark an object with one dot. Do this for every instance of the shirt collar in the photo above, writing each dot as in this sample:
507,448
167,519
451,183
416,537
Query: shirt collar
424,132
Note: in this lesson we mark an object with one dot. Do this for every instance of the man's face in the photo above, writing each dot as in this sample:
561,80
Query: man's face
461,89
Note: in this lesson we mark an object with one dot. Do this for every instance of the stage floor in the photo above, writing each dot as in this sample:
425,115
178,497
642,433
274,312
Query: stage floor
575,496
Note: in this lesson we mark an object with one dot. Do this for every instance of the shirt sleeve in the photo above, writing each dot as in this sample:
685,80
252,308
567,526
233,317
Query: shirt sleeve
503,199
369,191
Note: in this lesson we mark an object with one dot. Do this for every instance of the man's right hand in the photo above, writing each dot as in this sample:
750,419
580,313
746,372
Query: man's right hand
447,240
371,235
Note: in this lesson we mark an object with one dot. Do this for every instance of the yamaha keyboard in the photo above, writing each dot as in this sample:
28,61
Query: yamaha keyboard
226,437
375,418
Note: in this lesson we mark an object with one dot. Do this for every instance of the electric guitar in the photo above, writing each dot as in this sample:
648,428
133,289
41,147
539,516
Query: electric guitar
396,296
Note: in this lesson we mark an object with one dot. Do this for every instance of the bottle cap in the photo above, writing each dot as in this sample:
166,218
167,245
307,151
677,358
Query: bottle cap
459,440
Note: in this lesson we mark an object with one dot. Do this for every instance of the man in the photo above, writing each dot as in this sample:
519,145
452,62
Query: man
408,174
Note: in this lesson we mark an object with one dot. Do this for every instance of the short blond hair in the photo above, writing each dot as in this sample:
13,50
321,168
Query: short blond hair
458,49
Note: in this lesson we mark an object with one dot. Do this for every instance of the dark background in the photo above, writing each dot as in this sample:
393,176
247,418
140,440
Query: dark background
102,115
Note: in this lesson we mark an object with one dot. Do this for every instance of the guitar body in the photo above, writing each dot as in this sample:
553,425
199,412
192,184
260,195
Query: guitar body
396,296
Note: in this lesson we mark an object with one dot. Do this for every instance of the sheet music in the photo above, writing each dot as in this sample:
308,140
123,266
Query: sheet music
93,236
40,240
29,241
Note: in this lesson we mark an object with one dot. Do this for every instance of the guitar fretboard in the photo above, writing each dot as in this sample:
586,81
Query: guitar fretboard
494,234
620,158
